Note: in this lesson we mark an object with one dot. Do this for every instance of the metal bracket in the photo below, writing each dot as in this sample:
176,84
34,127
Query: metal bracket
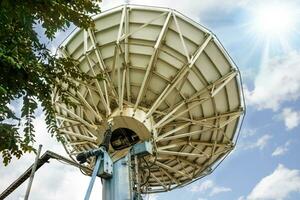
142,149
106,169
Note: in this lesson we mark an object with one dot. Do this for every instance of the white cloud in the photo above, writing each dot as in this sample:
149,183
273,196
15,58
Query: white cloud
260,143
219,189
209,187
204,186
60,180
241,198
291,118
281,150
278,81
278,185
247,132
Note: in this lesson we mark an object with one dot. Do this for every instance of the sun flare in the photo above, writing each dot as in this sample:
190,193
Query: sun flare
274,21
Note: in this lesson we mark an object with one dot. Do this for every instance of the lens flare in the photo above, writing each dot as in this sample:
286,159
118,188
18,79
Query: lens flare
274,20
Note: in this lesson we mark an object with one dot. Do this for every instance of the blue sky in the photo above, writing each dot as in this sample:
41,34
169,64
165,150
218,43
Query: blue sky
265,163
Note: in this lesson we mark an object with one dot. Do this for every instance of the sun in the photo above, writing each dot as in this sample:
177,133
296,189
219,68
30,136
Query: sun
274,21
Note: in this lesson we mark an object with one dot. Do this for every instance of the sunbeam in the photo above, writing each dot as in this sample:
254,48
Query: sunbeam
275,20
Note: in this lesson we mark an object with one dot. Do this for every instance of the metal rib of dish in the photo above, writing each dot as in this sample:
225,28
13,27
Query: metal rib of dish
168,79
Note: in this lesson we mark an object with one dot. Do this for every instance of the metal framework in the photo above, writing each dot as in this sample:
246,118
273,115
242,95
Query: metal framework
157,62
40,162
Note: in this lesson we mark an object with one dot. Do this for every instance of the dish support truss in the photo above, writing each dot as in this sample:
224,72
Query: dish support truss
157,62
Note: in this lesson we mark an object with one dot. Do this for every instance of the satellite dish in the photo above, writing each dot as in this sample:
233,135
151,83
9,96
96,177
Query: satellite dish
167,79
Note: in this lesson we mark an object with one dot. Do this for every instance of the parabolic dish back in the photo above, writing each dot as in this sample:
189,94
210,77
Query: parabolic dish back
167,79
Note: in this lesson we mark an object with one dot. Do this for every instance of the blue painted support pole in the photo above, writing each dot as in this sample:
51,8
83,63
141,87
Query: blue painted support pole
119,186
94,175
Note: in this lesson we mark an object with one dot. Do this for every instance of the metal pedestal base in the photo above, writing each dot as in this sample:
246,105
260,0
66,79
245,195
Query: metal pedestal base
119,186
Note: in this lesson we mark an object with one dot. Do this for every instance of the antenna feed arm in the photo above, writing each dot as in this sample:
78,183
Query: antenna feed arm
82,157
107,136
104,146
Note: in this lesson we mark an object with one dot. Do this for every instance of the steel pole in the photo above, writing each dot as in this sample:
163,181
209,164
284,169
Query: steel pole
119,186
33,172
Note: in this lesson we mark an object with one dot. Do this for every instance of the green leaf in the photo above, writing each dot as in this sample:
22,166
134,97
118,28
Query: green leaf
29,71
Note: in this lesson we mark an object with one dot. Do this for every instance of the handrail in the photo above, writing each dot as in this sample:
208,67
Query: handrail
42,160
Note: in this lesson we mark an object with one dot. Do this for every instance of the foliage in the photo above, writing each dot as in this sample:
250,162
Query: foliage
28,70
